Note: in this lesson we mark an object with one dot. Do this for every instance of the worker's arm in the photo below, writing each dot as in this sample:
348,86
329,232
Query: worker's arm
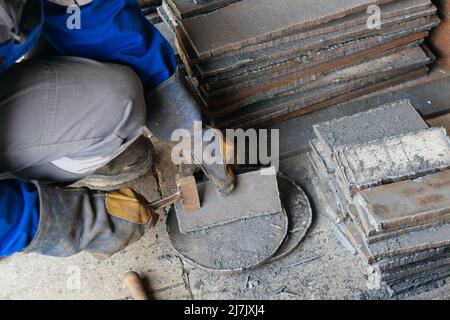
18,215
112,31
61,222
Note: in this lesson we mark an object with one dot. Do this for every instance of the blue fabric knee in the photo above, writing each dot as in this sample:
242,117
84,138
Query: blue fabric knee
19,215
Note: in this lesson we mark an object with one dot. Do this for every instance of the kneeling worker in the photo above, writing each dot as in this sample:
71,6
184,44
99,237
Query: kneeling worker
80,114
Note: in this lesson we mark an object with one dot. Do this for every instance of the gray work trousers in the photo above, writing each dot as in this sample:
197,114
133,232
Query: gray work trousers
66,108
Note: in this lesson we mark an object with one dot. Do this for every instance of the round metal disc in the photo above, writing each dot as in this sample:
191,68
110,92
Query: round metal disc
299,212
233,247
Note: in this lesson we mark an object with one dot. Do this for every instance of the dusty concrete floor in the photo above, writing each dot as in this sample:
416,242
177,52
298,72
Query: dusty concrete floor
321,268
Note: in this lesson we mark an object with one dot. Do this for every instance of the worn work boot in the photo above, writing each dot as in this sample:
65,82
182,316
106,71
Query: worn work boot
133,163
172,105
78,219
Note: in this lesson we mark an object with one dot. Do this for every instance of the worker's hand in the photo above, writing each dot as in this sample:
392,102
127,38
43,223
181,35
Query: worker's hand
72,220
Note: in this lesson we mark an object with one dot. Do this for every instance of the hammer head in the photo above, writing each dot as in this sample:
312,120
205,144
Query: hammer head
189,197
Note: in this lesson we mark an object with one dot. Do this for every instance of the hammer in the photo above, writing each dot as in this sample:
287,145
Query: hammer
187,194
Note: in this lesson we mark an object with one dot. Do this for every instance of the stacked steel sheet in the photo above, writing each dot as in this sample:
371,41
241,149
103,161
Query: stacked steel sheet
383,177
255,62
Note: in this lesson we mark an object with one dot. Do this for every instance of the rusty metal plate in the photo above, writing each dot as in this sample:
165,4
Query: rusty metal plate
253,21
264,72
276,116
362,73
224,68
408,203
388,11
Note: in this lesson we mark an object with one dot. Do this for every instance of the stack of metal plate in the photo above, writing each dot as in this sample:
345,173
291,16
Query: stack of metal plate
383,177
254,62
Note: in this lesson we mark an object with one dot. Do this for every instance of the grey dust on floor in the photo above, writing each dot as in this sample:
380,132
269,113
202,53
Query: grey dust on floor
320,268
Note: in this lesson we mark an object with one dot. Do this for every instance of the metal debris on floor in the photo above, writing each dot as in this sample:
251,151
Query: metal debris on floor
383,175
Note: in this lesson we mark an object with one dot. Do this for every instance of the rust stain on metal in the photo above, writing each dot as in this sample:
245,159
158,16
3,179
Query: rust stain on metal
381,209
430,200
277,116
342,62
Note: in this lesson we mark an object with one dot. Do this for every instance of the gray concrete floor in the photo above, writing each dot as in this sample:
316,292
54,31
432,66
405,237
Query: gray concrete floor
321,268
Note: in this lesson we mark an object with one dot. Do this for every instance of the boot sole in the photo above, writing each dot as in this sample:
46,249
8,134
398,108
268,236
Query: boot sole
97,181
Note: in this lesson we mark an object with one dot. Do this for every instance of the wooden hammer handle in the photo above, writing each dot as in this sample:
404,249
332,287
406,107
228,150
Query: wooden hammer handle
134,284
165,202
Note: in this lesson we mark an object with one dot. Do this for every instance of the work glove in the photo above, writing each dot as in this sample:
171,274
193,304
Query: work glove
172,106
101,223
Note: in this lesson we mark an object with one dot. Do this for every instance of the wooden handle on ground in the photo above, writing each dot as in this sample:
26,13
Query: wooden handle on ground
134,284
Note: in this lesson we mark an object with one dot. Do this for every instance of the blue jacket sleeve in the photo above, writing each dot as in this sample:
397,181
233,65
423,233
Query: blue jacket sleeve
112,31
19,215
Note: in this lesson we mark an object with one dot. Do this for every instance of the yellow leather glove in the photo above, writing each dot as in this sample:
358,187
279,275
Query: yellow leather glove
129,205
